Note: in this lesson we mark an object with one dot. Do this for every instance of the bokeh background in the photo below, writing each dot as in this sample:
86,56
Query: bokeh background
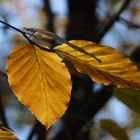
113,23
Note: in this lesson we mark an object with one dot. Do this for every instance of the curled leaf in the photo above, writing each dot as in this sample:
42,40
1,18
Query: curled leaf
114,69
114,129
6,134
129,97
40,81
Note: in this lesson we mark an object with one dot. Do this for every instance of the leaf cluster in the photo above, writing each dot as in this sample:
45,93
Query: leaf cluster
40,79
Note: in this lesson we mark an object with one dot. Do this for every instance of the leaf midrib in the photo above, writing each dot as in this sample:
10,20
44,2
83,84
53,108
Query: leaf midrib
43,80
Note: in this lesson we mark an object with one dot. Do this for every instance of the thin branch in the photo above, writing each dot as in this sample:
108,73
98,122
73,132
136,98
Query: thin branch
2,110
12,27
79,117
50,35
25,35
41,47
39,129
2,114
129,23
50,15
112,20
60,40
3,74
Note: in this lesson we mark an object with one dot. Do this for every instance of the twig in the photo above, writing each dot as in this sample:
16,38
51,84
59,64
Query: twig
50,15
49,35
60,40
110,23
129,23
3,74
2,114
12,27
25,35
38,130
2,110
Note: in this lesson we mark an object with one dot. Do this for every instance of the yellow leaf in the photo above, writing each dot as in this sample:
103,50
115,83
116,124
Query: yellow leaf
40,81
6,134
114,69
114,129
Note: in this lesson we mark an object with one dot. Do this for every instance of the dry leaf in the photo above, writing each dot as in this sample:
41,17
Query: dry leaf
6,134
40,81
114,129
129,97
114,69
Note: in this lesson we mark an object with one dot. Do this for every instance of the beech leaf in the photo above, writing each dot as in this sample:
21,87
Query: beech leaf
40,81
114,129
114,68
6,134
129,97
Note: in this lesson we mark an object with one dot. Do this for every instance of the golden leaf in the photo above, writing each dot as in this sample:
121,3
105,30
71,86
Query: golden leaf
114,129
114,68
6,134
40,81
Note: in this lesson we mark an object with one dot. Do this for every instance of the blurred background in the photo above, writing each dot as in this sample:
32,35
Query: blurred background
114,23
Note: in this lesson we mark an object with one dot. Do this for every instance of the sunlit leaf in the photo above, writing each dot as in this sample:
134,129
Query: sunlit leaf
114,69
115,130
130,97
6,134
40,81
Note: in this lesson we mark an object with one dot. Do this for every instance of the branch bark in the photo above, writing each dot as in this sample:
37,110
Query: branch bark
2,110
91,103
82,19
50,15
111,22
129,23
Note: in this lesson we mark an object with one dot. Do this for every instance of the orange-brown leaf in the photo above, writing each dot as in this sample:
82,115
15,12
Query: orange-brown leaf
40,81
114,69
114,129
6,134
